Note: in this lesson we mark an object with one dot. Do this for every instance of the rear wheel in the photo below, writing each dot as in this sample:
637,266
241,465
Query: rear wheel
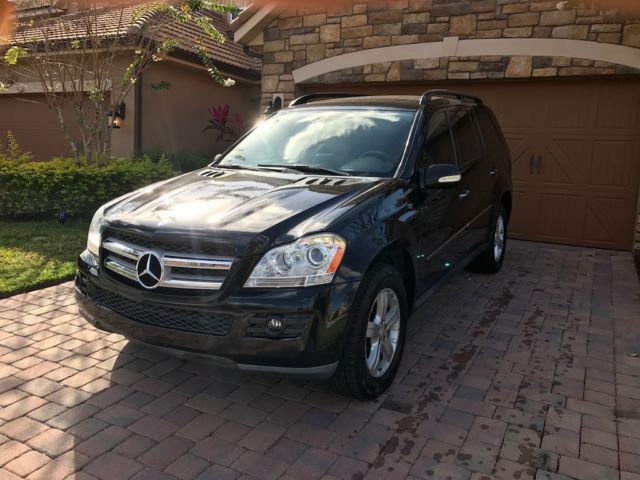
490,261
376,335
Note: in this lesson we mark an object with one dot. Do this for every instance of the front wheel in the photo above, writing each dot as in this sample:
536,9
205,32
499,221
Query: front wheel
376,335
490,261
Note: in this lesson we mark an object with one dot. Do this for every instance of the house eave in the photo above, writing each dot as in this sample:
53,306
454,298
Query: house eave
193,60
250,26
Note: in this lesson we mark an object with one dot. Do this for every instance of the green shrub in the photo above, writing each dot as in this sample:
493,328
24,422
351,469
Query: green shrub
10,152
185,162
40,189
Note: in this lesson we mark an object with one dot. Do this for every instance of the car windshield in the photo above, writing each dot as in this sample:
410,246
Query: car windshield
343,142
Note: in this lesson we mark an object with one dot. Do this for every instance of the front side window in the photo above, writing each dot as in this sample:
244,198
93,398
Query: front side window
356,142
438,145
466,137
492,137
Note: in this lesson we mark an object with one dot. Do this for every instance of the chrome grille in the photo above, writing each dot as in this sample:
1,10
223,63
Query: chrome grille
181,270
165,317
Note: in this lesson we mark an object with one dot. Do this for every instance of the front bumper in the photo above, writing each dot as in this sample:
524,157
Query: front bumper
321,315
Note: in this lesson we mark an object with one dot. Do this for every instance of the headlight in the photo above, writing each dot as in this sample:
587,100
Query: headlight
312,260
95,232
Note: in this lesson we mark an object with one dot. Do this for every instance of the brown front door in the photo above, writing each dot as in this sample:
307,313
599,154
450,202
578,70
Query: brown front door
575,147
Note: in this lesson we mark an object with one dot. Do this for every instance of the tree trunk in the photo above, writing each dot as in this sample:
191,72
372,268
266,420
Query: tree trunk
74,147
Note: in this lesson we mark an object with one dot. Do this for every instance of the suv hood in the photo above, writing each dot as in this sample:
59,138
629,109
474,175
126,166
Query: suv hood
249,211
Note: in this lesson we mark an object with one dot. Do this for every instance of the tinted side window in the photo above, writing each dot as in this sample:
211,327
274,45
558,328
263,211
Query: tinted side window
490,132
466,136
438,145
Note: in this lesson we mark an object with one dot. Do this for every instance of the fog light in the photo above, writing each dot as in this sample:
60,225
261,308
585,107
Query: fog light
275,326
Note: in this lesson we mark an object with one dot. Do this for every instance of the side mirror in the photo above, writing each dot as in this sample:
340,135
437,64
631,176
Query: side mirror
217,158
440,176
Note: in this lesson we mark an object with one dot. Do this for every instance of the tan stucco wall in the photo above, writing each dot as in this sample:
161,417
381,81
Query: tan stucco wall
24,111
37,130
172,121
34,126
173,118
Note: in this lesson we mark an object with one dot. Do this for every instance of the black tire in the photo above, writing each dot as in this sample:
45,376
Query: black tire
352,376
487,261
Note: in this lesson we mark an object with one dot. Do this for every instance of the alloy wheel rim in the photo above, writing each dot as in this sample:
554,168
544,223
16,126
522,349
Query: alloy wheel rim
383,332
498,239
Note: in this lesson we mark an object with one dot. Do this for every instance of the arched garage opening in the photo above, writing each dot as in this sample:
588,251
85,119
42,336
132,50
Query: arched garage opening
575,142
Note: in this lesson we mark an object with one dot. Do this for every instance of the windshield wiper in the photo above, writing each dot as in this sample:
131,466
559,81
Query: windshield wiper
235,166
306,169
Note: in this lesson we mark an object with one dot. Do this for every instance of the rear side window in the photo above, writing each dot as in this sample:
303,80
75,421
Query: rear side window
490,132
438,145
465,135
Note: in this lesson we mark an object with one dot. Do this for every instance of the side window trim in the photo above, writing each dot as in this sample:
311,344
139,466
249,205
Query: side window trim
479,134
498,129
454,149
493,125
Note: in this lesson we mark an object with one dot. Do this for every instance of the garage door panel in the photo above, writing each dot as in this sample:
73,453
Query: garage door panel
600,226
615,164
560,217
509,105
524,216
618,107
565,161
594,230
520,158
568,106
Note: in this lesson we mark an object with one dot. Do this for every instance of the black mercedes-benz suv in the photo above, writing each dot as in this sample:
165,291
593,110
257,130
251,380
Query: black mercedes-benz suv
304,247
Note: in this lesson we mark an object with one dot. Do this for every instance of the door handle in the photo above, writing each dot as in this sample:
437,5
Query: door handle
464,194
493,172
532,160
538,164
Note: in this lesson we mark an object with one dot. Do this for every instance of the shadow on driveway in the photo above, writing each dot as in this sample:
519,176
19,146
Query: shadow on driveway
507,376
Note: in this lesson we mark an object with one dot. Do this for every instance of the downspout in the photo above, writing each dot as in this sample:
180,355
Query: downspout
137,118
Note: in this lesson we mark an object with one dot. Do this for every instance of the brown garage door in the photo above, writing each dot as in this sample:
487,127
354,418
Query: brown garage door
575,147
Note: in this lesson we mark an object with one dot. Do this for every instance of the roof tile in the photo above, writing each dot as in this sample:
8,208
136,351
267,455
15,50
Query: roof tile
120,22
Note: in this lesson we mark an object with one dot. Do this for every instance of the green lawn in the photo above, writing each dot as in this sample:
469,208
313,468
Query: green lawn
36,254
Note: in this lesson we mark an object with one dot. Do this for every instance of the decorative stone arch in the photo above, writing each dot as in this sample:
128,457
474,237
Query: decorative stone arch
454,47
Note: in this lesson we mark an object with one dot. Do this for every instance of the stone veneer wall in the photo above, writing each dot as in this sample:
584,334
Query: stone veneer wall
298,38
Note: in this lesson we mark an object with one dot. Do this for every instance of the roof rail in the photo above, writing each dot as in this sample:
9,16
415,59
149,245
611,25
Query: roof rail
429,95
317,96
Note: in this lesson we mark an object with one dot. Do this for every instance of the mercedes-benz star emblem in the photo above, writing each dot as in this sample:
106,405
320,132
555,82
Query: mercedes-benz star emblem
149,270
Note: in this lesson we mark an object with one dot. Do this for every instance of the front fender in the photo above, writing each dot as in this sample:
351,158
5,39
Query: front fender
372,228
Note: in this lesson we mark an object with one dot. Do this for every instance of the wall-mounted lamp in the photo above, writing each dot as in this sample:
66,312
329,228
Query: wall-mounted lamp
116,116
273,106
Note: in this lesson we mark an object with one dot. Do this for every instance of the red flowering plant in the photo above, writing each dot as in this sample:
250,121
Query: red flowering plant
229,127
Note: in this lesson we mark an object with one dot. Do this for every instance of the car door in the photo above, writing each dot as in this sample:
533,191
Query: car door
438,223
493,159
471,212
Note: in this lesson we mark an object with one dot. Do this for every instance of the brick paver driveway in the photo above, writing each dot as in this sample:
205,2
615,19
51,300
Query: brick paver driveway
531,373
